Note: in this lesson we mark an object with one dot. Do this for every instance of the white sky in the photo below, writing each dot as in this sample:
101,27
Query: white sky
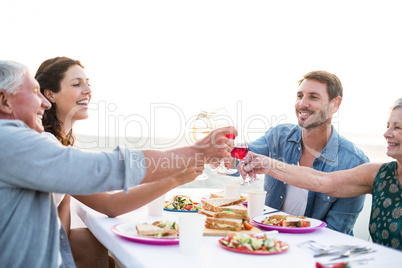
192,54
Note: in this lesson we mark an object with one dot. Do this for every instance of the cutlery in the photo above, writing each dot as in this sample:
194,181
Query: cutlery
353,252
269,212
323,250
338,250
357,262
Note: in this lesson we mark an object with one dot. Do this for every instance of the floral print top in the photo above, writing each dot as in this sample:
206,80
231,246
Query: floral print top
386,212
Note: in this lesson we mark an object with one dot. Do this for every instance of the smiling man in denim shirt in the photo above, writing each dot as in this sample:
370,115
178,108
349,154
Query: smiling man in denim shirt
315,143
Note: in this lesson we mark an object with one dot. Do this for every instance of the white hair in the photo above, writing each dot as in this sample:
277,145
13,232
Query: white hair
11,75
397,104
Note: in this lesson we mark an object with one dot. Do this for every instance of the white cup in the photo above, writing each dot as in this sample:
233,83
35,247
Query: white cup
232,190
255,203
191,230
155,207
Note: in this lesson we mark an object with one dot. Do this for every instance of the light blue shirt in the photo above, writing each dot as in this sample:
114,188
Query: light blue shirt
31,168
284,143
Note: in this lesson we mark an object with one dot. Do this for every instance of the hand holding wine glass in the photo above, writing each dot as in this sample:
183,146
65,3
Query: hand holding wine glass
239,152
222,119
254,164
202,127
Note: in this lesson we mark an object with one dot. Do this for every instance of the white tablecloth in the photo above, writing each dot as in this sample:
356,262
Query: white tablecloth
132,254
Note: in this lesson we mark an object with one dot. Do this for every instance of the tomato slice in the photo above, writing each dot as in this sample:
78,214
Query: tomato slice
243,247
302,223
319,265
248,226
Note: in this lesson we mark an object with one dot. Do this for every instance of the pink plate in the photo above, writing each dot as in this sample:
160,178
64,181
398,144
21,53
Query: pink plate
315,225
128,231
284,246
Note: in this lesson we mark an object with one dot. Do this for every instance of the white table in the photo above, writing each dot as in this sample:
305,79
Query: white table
132,254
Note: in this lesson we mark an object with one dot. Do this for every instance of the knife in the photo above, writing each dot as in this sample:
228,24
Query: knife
273,211
337,250
357,262
351,253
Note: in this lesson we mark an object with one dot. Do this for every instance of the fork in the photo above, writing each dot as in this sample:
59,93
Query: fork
353,252
322,250
339,250
315,246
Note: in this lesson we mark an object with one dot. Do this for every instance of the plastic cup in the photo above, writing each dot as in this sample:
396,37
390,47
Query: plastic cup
191,230
155,207
232,190
255,203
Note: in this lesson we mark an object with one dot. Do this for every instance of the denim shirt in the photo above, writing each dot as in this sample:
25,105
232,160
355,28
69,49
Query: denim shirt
284,143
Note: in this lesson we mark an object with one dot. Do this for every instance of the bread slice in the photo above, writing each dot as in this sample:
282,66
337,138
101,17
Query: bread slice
285,217
234,208
224,224
232,212
278,217
220,194
289,220
206,212
213,204
294,222
152,230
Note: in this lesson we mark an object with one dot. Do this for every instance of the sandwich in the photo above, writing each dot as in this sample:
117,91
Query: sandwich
214,203
230,212
152,230
296,222
233,212
287,221
224,224
220,194
158,229
225,214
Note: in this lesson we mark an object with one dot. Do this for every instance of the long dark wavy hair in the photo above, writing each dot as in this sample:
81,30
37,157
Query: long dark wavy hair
49,76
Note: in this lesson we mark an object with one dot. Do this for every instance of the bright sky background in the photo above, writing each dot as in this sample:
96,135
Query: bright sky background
192,54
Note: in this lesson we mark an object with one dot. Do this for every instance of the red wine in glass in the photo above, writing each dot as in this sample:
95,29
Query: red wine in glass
239,152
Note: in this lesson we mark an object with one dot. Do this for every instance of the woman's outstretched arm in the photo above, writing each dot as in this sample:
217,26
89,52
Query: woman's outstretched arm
344,183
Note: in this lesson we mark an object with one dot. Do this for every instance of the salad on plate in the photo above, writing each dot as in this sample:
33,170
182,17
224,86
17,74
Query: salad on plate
183,203
253,244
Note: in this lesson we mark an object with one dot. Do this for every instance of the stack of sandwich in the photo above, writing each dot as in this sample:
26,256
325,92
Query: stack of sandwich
225,214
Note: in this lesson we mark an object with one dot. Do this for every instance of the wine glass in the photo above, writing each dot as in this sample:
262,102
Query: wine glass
221,119
240,151
202,126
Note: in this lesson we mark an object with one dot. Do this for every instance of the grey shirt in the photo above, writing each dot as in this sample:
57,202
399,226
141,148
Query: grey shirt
31,168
